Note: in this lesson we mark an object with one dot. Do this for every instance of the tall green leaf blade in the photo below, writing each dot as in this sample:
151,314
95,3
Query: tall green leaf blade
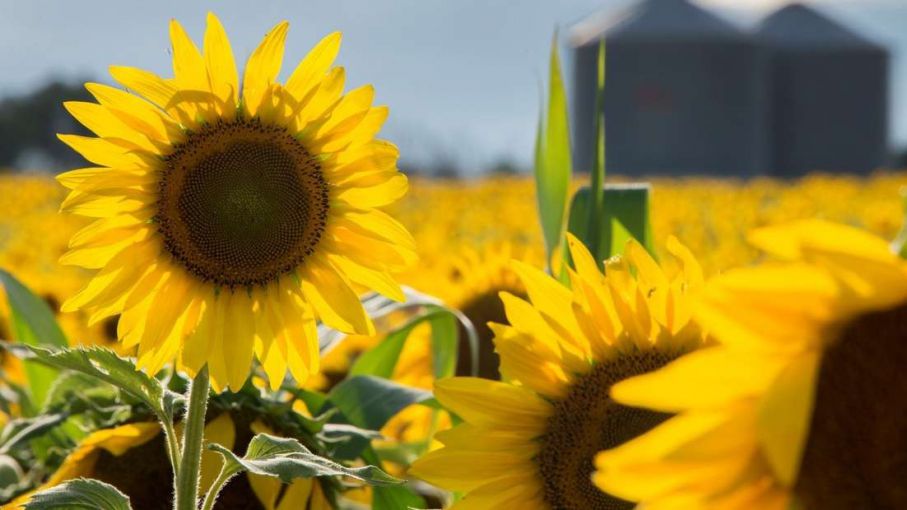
899,244
80,494
553,165
369,402
33,324
597,183
287,459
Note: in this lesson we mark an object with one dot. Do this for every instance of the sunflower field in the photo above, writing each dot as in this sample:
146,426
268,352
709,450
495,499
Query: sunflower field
243,304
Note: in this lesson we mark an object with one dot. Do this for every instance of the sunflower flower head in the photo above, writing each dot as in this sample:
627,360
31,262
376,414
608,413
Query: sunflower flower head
529,440
231,212
800,402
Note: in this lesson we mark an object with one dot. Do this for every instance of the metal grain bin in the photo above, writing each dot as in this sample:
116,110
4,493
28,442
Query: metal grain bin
830,94
685,92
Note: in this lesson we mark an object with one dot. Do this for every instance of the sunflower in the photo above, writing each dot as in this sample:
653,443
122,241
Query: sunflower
132,458
472,281
801,404
231,215
528,441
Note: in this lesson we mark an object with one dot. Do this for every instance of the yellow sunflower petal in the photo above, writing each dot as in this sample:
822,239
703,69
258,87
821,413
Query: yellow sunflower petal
312,69
485,402
263,67
223,78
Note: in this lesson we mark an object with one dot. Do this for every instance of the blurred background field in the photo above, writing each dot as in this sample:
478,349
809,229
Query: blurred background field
464,113
475,220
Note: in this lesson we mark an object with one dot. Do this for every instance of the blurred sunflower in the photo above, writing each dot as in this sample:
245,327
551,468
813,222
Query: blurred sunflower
529,442
801,405
132,458
230,215
475,279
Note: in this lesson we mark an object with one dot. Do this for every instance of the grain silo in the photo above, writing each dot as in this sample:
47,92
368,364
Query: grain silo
685,92
830,94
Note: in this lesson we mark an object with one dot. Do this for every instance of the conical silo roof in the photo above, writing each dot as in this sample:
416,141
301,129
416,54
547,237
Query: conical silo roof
798,26
654,19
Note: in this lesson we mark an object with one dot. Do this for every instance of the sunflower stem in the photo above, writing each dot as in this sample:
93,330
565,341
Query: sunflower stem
222,479
193,436
173,447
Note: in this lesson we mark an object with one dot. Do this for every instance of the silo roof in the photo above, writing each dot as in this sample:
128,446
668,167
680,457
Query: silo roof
800,26
654,19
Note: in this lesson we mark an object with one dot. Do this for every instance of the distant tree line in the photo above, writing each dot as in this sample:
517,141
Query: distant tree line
29,125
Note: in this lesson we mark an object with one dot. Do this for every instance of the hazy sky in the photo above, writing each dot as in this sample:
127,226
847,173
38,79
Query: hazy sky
461,76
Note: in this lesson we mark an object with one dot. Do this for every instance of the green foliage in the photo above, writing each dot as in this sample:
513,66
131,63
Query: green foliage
553,164
287,459
17,432
80,494
395,498
625,214
381,360
596,208
899,244
108,367
369,402
34,324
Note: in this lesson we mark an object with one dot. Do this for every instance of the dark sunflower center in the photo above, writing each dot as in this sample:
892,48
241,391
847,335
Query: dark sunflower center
586,422
856,452
484,308
241,203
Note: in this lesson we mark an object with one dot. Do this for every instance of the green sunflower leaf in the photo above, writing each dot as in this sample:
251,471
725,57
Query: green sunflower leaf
80,494
287,459
18,431
34,324
107,366
369,402
553,164
381,360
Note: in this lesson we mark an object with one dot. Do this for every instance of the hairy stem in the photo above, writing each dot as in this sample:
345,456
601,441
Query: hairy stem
173,447
222,479
193,436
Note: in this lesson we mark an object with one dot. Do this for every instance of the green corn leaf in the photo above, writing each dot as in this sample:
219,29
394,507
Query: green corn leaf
80,494
553,165
899,244
369,402
596,209
33,323
287,459
625,214
107,366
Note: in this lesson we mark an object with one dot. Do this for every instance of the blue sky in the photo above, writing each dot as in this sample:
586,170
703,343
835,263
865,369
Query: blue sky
461,76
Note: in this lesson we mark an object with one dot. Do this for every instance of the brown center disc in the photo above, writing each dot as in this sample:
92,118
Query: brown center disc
856,452
588,421
241,203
